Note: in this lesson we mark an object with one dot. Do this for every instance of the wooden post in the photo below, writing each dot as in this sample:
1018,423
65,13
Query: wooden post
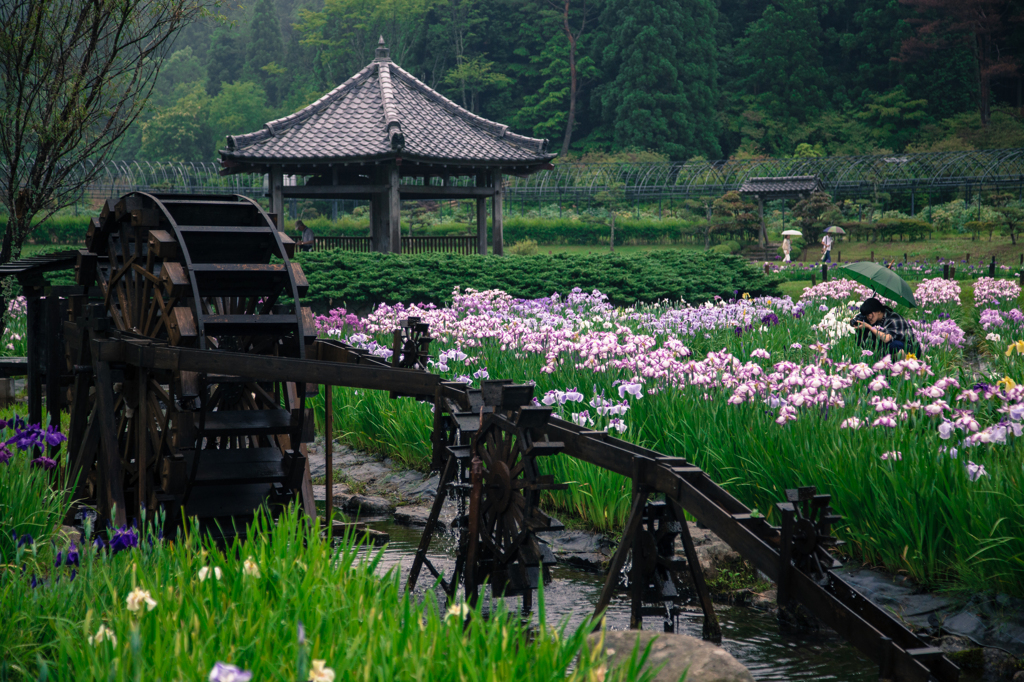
54,358
36,355
992,267
329,452
275,179
762,236
814,280
394,209
481,225
968,259
824,272
142,443
945,271
872,256
497,223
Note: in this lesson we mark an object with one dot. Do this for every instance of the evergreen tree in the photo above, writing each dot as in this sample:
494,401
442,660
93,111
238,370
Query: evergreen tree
265,51
664,60
781,61
225,59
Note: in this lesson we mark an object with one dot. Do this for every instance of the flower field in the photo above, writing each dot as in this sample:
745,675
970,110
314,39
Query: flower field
923,456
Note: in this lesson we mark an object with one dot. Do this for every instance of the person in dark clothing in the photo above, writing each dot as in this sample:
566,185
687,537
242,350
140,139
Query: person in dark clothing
306,243
877,325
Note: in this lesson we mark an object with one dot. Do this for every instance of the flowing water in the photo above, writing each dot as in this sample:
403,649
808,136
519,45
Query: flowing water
750,635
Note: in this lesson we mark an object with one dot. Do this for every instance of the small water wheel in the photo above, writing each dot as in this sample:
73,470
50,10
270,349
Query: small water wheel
497,484
206,272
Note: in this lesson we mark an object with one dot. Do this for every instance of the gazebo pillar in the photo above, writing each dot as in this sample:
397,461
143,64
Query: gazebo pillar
498,238
481,217
275,180
762,236
394,208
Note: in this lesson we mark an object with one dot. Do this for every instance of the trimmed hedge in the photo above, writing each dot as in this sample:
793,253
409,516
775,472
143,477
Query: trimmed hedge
64,229
360,280
540,230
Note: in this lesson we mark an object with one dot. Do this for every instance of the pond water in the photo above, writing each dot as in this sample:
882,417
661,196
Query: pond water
752,636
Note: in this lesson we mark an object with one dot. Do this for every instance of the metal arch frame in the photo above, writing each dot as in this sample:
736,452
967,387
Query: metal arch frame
575,181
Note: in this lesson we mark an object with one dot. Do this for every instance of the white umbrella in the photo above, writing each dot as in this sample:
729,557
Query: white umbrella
792,233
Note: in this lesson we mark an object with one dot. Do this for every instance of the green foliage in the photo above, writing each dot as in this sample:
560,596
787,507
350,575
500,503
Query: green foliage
180,132
816,211
894,118
256,598
527,247
265,51
781,58
664,88
360,280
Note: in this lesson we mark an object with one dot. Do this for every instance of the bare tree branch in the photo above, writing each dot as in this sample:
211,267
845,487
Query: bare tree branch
74,76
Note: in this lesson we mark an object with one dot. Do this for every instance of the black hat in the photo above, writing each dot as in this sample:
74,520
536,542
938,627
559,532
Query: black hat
872,305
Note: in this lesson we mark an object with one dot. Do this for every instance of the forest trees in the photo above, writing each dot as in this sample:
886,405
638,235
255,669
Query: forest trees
664,89
985,26
679,78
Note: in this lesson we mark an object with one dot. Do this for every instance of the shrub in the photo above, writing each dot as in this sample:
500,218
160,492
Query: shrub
731,246
360,280
527,247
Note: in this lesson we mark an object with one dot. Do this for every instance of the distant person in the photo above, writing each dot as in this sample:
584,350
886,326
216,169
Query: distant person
787,247
879,326
306,243
826,248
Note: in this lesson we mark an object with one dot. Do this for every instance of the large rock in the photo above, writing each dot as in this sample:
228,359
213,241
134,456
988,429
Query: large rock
704,661
417,515
369,505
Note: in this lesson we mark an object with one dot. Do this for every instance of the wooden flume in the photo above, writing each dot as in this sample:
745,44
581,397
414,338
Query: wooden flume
189,360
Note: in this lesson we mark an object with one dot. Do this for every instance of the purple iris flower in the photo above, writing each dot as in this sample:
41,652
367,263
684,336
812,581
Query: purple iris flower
35,583
72,557
5,455
59,560
44,462
53,436
26,539
739,331
124,538
771,319
224,672
98,543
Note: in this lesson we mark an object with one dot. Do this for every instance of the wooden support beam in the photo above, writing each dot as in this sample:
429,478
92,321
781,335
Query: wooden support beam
481,225
394,209
331,191
444,192
275,181
269,368
497,223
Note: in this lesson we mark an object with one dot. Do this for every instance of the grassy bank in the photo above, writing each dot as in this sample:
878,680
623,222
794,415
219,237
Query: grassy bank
287,604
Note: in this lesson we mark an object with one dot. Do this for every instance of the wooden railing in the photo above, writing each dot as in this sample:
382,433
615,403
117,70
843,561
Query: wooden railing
465,245
361,244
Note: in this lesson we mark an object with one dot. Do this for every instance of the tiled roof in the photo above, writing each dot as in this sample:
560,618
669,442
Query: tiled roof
786,185
382,111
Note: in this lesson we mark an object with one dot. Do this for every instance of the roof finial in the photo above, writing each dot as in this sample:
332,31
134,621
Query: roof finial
382,51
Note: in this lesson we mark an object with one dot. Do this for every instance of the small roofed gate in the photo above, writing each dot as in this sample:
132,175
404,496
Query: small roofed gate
384,136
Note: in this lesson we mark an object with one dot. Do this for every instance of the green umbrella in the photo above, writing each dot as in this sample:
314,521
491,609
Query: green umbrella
881,280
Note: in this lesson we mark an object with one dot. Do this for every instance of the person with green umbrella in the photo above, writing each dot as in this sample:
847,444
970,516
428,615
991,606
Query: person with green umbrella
878,325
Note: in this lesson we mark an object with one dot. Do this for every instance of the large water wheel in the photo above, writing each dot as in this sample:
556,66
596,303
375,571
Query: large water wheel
206,272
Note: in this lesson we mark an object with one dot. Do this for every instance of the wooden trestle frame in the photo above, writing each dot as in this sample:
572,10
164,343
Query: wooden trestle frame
185,358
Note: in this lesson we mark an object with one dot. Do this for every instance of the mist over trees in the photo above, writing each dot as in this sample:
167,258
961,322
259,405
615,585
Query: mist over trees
680,78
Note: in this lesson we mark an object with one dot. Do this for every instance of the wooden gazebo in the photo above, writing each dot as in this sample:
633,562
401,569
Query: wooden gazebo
786,187
384,136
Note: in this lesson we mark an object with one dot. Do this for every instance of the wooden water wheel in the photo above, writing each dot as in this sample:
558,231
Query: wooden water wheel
205,272
487,450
